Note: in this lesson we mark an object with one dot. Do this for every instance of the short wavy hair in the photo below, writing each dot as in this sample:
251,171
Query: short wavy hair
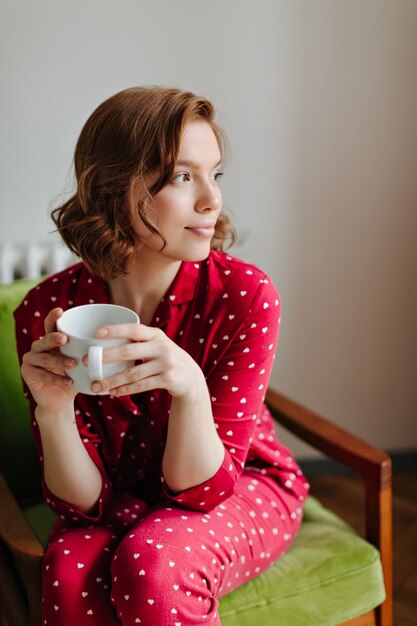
135,132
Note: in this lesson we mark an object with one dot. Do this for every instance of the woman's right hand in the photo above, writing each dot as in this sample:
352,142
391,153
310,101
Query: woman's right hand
43,369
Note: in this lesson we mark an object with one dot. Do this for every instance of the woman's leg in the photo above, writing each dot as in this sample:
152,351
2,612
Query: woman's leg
175,564
76,567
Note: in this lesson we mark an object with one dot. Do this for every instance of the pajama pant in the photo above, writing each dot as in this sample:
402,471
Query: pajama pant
165,565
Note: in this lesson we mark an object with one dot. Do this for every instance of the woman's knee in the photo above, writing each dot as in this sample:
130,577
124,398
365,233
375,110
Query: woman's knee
141,562
76,567
151,580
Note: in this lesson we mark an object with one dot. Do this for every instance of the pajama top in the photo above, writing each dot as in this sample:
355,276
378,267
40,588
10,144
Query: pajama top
225,313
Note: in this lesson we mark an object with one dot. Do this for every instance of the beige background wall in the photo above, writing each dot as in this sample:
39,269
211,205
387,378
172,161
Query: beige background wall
319,99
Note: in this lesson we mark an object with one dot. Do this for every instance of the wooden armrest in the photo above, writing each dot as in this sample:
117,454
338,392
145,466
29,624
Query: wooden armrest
372,464
334,441
15,530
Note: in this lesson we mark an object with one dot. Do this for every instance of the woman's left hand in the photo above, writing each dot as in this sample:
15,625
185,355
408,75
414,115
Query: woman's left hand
161,364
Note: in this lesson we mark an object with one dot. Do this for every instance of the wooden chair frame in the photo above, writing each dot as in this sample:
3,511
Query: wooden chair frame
374,466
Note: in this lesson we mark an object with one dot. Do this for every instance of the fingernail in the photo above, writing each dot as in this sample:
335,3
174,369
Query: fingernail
96,387
102,332
69,362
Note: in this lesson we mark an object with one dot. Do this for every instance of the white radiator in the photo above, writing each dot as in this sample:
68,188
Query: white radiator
33,260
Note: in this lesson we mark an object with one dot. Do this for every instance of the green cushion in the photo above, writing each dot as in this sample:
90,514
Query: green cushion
328,576
41,518
15,437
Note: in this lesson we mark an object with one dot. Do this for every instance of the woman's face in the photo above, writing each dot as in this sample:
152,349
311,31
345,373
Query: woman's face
185,211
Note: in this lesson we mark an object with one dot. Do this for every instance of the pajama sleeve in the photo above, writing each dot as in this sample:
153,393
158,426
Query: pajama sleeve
237,388
29,327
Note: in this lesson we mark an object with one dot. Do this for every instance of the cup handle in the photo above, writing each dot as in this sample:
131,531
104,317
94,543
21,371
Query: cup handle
95,363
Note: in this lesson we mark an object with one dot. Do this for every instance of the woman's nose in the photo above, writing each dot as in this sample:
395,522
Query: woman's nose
209,199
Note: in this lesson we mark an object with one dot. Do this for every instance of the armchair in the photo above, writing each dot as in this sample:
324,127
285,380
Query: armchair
329,576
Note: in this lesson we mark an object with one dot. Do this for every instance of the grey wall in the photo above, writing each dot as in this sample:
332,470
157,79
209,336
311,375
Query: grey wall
319,99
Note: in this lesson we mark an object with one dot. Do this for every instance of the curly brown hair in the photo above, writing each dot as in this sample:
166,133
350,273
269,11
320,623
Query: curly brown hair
135,132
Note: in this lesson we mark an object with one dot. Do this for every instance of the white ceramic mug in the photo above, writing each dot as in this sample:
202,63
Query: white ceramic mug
80,324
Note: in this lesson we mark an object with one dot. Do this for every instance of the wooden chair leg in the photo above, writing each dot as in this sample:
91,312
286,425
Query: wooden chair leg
13,603
34,589
379,532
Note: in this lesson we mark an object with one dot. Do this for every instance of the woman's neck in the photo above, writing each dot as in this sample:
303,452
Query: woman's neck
144,286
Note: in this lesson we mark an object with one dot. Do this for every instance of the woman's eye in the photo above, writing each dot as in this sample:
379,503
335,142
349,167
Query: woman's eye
218,176
183,177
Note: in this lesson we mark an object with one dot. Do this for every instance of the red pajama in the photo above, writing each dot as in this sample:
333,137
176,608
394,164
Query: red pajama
146,555
172,565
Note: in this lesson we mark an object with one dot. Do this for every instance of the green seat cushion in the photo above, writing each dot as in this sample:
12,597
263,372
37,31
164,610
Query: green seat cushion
329,575
41,518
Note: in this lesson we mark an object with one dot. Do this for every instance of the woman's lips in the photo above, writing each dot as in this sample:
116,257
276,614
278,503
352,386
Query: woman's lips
202,231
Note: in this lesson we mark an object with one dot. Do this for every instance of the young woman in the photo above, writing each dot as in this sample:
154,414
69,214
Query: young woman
172,490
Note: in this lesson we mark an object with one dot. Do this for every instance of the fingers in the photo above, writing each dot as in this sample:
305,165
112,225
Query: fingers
140,386
128,352
49,361
52,338
44,353
145,343
135,332
49,342
132,380
36,377
51,319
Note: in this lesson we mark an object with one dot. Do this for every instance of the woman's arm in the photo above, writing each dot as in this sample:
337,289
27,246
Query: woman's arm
69,472
194,452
